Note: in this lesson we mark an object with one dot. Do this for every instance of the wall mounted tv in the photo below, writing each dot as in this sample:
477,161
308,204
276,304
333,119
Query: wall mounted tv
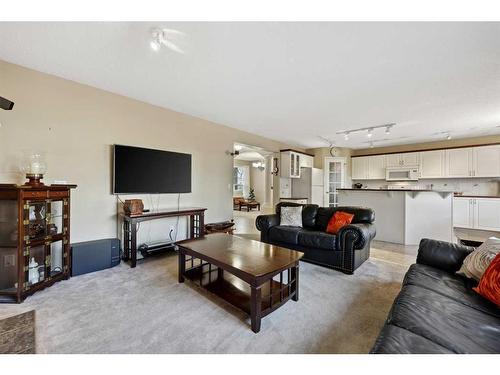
141,170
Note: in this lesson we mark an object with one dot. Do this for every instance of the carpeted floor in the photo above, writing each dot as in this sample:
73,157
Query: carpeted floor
145,310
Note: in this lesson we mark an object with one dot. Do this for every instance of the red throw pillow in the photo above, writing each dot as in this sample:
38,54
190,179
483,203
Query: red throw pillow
338,220
489,285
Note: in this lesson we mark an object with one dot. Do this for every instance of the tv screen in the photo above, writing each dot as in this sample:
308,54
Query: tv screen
142,170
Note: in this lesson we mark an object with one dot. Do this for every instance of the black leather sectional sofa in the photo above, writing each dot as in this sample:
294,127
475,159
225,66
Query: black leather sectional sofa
437,311
345,251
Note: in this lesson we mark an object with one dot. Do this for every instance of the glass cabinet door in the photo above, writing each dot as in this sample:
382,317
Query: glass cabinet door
56,258
54,218
36,270
36,220
8,246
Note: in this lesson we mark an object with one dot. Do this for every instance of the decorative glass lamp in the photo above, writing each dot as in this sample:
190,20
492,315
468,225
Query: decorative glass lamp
34,166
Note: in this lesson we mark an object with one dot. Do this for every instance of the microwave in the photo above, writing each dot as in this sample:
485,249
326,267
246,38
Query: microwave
402,174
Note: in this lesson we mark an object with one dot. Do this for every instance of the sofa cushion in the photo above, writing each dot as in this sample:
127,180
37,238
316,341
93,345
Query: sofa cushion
489,285
476,262
309,212
450,285
444,321
361,215
284,234
291,216
397,340
317,240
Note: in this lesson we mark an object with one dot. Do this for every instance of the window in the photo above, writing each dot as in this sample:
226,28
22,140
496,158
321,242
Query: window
239,179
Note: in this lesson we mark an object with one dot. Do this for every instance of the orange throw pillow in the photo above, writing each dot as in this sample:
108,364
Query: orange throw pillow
489,285
338,220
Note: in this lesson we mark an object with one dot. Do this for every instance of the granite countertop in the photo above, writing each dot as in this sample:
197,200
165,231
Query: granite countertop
385,190
476,196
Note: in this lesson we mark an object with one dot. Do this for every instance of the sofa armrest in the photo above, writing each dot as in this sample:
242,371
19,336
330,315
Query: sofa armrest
265,222
359,234
446,256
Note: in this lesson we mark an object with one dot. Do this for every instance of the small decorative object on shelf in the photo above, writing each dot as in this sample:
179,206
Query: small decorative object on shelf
133,206
34,238
34,167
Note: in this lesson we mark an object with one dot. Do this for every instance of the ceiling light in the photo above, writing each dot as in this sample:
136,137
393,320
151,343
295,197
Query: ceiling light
388,130
371,145
448,136
346,136
238,147
369,133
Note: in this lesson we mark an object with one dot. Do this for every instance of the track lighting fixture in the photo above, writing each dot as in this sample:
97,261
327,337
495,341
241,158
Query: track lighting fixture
371,145
346,136
369,133
388,130
448,136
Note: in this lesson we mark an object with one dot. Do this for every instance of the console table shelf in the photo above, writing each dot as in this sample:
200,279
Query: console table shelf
196,217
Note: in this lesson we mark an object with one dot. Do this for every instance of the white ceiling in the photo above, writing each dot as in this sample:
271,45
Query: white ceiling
294,82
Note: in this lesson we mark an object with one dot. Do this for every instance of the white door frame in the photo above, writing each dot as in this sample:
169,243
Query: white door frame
326,184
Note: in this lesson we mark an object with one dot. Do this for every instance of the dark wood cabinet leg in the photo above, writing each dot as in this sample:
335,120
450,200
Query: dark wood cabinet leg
133,245
255,308
295,285
201,223
191,226
182,265
220,273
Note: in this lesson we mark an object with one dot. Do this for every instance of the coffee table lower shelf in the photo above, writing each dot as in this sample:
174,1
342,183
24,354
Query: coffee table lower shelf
255,301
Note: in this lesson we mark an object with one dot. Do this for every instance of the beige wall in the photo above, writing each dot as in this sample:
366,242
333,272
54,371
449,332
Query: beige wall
430,145
76,126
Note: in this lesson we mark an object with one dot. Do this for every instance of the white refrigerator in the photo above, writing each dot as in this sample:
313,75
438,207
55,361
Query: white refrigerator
309,185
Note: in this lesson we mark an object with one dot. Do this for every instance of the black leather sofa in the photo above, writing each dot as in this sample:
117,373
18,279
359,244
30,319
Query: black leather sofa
437,311
345,251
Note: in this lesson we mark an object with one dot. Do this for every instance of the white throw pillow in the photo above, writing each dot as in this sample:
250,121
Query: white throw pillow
476,262
291,216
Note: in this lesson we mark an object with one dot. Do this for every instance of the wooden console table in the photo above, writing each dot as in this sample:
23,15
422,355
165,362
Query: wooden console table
196,227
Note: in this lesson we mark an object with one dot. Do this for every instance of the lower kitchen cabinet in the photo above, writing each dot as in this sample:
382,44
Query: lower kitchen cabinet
476,213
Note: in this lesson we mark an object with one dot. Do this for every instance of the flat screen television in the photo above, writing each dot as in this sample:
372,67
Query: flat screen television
139,170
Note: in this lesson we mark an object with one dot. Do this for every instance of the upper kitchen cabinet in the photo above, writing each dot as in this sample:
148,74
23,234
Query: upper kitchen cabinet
402,160
459,162
306,161
376,167
486,161
292,161
360,167
432,164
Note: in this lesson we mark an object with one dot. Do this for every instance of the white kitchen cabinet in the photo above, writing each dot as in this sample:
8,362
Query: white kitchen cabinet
406,159
376,167
393,160
459,162
476,213
290,164
409,159
463,213
306,161
432,164
487,213
359,170
486,161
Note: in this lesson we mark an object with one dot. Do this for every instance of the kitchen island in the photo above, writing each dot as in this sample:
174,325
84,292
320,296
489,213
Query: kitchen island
405,216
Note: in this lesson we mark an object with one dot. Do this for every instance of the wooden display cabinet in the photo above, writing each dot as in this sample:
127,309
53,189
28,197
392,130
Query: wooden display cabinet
34,232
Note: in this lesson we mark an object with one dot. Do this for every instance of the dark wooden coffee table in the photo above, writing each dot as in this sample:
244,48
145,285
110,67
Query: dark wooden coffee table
254,276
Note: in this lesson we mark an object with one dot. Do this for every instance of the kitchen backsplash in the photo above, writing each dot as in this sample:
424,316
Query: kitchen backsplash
478,186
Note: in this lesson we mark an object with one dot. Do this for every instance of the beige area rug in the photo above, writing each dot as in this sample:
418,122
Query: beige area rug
145,310
17,334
